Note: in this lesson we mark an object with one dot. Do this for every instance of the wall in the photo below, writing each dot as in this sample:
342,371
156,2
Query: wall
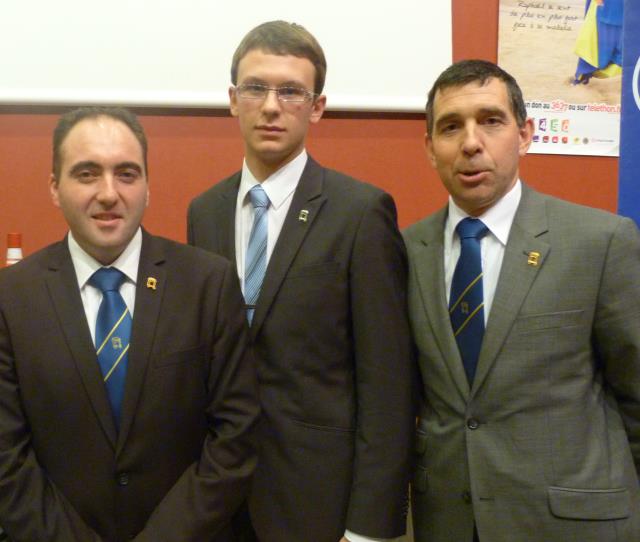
191,149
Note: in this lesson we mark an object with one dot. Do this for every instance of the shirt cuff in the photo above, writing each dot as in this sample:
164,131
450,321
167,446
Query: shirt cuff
353,537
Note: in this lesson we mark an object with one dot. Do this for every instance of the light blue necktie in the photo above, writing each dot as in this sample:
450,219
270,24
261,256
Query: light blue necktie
466,303
113,331
256,258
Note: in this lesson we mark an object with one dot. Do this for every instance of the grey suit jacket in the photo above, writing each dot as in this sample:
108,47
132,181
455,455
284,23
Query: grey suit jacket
334,359
181,462
545,445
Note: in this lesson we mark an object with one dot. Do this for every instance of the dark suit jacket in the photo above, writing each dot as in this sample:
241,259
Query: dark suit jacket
334,359
181,462
542,447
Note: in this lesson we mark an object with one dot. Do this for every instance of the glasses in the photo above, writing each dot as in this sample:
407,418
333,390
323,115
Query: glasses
254,91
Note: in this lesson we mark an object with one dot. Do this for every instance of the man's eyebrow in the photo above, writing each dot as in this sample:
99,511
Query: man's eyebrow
447,118
258,81
129,165
292,83
90,164
254,81
482,112
492,111
85,164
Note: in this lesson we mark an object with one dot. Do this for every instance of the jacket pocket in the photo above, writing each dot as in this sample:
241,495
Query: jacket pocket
314,270
319,427
549,320
419,482
421,442
589,504
195,355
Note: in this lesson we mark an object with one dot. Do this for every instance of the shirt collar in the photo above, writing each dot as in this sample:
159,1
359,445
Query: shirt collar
498,218
86,265
279,185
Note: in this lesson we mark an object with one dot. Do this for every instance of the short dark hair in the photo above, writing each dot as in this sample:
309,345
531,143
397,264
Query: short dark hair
71,118
283,38
470,71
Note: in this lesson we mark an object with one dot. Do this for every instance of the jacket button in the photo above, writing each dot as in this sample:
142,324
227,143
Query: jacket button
466,497
123,479
472,423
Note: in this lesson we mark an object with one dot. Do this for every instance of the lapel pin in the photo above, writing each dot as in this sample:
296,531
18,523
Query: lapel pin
304,214
533,258
152,283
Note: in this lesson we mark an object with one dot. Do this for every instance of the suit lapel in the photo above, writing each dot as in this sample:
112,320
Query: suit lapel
224,216
429,270
62,284
145,317
516,277
307,197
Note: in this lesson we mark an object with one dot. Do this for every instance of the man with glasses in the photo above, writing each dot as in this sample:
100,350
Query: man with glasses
323,271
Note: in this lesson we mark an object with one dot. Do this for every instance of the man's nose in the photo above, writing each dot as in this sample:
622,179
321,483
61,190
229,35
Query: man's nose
271,101
107,189
472,140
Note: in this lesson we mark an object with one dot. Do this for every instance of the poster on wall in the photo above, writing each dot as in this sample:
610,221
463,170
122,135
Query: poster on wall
629,192
567,57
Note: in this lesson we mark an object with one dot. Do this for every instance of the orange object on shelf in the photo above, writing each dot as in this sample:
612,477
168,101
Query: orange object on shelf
14,248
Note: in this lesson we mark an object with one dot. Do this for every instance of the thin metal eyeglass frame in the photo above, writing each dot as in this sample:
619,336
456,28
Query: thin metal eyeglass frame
308,96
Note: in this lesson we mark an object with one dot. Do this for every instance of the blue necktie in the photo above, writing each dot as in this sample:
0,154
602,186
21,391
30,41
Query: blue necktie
113,331
256,258
466,301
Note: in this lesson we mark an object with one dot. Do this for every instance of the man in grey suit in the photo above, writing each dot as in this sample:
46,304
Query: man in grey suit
529,428
329,324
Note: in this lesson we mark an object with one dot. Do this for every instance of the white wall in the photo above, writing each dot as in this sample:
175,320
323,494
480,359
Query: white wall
169,53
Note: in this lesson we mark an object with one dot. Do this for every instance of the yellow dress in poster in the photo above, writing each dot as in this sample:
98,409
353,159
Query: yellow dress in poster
599,46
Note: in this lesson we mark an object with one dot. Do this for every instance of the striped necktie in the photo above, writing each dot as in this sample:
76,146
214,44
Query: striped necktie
256,258
466,301
113,331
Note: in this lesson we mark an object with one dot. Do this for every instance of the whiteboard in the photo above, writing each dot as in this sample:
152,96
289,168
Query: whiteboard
382,56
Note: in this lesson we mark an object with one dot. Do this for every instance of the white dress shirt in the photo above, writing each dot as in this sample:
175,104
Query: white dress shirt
86,266
279,187
498,218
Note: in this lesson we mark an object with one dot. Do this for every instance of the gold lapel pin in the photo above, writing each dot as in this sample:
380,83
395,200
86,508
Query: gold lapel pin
152,283
533,258
304,214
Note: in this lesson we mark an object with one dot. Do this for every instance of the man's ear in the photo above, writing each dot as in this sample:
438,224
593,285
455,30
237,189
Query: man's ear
317,108
233,101
53,190
526,136
428,147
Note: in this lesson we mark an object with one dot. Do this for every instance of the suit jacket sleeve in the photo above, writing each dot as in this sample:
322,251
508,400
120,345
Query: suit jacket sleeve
205,497
31,506
617,327
385,375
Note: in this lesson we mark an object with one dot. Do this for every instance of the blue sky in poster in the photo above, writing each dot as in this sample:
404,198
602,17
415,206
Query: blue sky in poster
629,189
